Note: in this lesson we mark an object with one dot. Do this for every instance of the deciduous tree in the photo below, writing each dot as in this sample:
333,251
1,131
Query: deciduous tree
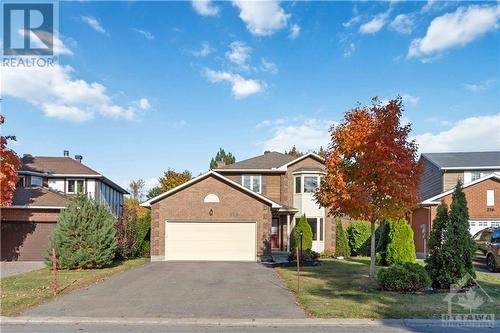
172,178
136,188
9,163
372,168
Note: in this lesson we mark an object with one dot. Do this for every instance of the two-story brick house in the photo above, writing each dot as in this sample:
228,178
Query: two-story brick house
480,174
45,185
241,211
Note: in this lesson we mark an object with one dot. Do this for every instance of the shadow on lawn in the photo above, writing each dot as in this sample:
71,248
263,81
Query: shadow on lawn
342,288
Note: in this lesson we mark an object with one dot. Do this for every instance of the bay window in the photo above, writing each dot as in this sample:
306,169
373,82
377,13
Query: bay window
310,184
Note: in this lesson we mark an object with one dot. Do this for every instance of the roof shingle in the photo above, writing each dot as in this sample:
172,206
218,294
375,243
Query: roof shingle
55,165
38,196
270,160
465,159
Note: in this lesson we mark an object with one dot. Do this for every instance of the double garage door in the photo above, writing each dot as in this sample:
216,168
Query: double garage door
210,241
25,241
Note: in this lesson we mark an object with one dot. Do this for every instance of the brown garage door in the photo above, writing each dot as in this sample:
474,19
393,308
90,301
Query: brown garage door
25,241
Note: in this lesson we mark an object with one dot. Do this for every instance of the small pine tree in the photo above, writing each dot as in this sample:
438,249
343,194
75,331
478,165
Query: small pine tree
435,261
85,235
382,243
307,236
342,244
458,246
400,245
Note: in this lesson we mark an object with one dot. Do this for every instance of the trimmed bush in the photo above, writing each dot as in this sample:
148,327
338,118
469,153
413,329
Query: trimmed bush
85,235
342,243
400,245
307,254
307,235
358,234
407,277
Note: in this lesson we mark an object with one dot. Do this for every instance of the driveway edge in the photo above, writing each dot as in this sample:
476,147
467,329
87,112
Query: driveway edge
265,322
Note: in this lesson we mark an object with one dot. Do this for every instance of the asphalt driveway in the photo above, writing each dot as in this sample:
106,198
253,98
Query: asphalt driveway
182,290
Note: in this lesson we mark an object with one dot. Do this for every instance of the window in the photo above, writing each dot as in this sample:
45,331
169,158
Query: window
298,184
495,224
483,223
310,184
75,186
313,222
490,198
252,182
475,175
20,182
36,181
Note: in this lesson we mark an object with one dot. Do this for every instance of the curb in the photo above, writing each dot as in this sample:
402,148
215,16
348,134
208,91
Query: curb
267,322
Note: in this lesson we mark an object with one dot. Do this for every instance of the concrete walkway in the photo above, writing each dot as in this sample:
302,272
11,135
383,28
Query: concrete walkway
10,268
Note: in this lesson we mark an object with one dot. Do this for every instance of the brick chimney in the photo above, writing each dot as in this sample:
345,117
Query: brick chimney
79,158
220,164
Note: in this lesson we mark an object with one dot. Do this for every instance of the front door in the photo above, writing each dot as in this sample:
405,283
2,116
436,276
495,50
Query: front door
275,234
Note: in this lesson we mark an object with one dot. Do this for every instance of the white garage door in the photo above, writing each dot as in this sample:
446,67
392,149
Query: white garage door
222,241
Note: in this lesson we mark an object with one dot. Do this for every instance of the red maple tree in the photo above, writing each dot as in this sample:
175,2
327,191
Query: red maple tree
372,168
9,163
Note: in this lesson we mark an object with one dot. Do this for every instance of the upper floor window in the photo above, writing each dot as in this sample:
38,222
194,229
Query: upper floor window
490,198
36,181
20,182
475,175
252,182
310,184
75,186
298,184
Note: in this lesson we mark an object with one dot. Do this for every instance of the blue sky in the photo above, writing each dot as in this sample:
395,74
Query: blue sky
145,86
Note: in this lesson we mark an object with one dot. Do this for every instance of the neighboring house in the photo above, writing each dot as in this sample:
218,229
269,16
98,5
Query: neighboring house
480,174
45,185
241,211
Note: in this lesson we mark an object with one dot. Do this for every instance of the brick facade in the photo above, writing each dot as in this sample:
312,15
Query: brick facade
188,205
476,203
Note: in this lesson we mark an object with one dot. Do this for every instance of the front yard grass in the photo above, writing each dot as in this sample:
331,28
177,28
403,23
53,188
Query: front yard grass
342,289
23,291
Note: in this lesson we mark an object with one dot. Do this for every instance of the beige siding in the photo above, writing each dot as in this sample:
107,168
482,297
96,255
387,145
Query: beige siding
450,179
273,187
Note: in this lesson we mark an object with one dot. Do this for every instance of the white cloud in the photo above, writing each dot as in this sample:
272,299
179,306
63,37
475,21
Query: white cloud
93,23
294,31
476,87
240,87
410,99
305,134
204,51
38,40
428,6
470,134
60,95
455,29
239,54
352,21
205,8
262,18
403,24
374,25
267,66
349,50
145,33
143,104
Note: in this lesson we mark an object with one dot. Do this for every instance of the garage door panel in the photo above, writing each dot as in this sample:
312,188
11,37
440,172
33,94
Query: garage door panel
25,241
205,241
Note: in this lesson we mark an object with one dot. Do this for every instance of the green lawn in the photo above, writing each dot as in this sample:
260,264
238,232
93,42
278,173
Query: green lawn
22,291
342,289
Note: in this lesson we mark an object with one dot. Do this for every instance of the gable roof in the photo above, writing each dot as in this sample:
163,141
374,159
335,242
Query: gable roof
38,197
465,160
270,161
435,199
148,203
54,165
